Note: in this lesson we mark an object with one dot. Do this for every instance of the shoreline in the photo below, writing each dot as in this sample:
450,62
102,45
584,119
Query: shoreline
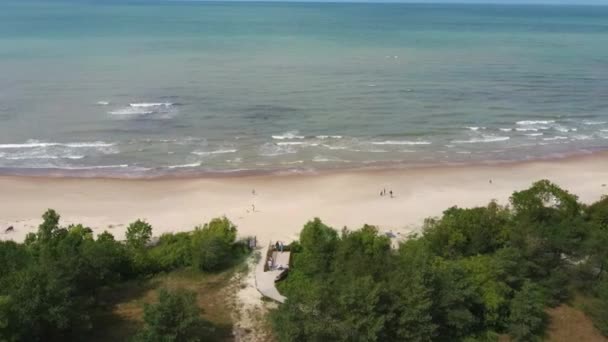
282,204
191,174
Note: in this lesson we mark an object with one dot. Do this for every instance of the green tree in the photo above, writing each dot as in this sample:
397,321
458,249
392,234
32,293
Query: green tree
318,243
49,226
212,244
176,317
138,234
466,232
527,313
173,251
45,306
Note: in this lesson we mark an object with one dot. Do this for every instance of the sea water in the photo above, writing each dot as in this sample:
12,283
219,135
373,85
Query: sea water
157,87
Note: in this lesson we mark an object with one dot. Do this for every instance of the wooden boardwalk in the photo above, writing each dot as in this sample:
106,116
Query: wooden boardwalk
264,281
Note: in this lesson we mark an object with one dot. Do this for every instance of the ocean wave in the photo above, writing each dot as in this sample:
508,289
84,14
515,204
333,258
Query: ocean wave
564,129
592,123
533,134
475,128
180,166
131,111
323,137
484,139
150,104
103,103
288,135
555,138
506,129
401,142
30,157
292,143
273,150
206,153
292,162
526,129
331,147
94,167
36,144
324,159
535,122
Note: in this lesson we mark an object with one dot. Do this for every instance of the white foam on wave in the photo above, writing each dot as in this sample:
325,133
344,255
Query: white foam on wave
292,162
36,144
401,142
506,129
555,138
526,129
27,157
103,103
324,159
180,166
535,122
290,143
206,153
323,137
475,128
150,104
564,129
131,111
288,135
592,123
334,147
582,137
484,139
273,150
96,167
533,134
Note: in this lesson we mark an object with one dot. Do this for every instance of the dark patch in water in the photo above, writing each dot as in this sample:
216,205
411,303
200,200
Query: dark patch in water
267,112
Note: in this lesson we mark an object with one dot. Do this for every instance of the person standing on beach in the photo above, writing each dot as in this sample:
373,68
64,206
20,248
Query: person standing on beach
391,192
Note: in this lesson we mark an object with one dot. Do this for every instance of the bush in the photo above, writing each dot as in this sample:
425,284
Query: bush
176,317
212,244
527,313
138,234
172,251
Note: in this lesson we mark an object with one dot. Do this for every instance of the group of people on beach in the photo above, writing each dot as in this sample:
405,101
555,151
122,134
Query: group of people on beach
383,193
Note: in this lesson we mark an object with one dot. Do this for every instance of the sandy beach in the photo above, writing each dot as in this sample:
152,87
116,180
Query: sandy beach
284,203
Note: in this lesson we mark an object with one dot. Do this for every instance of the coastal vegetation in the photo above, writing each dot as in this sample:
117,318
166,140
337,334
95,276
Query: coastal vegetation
56,285
470,275
479,274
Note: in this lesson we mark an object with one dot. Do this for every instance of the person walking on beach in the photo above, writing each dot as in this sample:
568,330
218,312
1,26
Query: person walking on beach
391,192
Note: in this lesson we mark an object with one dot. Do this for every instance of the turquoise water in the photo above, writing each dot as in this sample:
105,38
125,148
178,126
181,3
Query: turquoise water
149,87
